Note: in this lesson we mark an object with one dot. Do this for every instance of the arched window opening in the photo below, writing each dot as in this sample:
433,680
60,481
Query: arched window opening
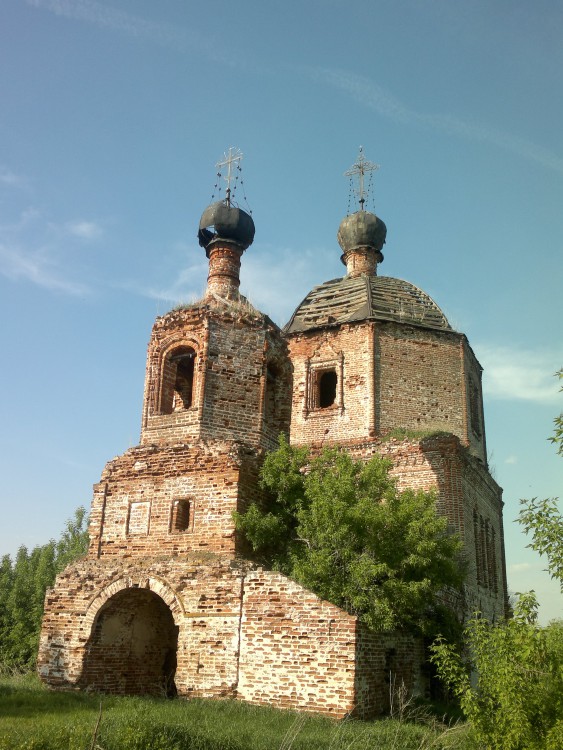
483,541
184,382
326,388
178,380
493,576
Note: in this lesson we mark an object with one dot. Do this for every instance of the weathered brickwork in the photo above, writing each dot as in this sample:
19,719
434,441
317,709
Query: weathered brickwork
134,508
209,627
464,488
348,351
389,376
167,601
241,376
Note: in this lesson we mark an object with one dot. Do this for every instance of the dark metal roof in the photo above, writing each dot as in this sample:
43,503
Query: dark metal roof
362,229
366,298
221,221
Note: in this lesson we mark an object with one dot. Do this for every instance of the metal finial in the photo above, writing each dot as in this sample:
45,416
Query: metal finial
359,169
232,157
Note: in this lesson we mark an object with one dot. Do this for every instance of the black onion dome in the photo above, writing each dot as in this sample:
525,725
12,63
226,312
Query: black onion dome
222,222
362,229
359,298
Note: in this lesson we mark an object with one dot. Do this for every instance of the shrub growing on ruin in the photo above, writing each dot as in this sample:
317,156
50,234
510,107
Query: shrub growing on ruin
343,529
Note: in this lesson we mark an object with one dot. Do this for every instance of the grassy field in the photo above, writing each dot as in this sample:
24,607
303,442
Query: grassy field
33,718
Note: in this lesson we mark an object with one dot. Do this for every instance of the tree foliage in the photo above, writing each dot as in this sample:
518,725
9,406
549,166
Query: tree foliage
23,584
341,528
543,520
515,699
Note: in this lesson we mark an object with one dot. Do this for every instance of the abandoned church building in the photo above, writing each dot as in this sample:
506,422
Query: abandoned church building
165,601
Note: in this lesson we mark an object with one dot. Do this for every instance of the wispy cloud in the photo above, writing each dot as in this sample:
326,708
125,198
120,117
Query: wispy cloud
374,97
277,288
186,286
32,248
274,288
511,460
7,177
520,374
132,25
520,567
86,230
17,264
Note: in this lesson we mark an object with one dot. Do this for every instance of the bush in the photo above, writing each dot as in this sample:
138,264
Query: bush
341,528
511,684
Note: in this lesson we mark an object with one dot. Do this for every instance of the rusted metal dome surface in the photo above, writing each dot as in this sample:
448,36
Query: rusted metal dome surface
361,229
351,299
222,222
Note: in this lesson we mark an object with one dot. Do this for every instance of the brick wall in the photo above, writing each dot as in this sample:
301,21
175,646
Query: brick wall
348,350
134,503
296,650
241,376
418,379
240,631
390,376
468,496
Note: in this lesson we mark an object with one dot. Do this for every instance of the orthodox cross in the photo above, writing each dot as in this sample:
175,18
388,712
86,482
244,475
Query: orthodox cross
233,157
359,169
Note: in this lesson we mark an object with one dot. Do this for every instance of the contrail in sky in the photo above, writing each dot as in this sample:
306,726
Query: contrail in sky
362,89
132,25
373,96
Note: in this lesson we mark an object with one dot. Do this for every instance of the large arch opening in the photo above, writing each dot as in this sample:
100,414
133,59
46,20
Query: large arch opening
132,647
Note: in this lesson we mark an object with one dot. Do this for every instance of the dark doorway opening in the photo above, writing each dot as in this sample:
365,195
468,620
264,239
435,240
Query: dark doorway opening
133,645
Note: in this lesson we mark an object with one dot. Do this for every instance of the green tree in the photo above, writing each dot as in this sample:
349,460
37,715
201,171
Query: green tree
543,519
22,590
73,542
341,528
510,686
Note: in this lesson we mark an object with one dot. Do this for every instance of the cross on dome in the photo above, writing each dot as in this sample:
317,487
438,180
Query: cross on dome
233,156
359,169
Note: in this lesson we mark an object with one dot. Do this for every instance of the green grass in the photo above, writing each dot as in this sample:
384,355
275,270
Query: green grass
402,433
33,718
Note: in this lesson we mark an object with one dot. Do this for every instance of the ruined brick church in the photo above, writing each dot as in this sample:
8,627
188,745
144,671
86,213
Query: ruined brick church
165,601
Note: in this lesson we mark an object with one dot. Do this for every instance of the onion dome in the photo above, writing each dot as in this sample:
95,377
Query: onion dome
224,222
362,229
361,237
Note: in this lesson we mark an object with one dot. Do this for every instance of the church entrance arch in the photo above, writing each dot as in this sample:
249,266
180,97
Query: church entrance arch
132,646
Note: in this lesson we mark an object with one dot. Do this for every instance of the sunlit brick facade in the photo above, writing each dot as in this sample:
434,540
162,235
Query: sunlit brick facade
166,601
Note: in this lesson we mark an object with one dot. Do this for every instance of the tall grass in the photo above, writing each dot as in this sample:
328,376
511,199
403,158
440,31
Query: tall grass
33,718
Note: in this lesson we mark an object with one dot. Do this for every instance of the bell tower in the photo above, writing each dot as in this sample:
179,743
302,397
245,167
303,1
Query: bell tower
217,395
217,369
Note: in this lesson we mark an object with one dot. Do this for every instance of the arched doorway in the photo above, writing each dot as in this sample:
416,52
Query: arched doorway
132,647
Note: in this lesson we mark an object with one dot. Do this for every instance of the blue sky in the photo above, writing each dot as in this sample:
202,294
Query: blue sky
114,115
